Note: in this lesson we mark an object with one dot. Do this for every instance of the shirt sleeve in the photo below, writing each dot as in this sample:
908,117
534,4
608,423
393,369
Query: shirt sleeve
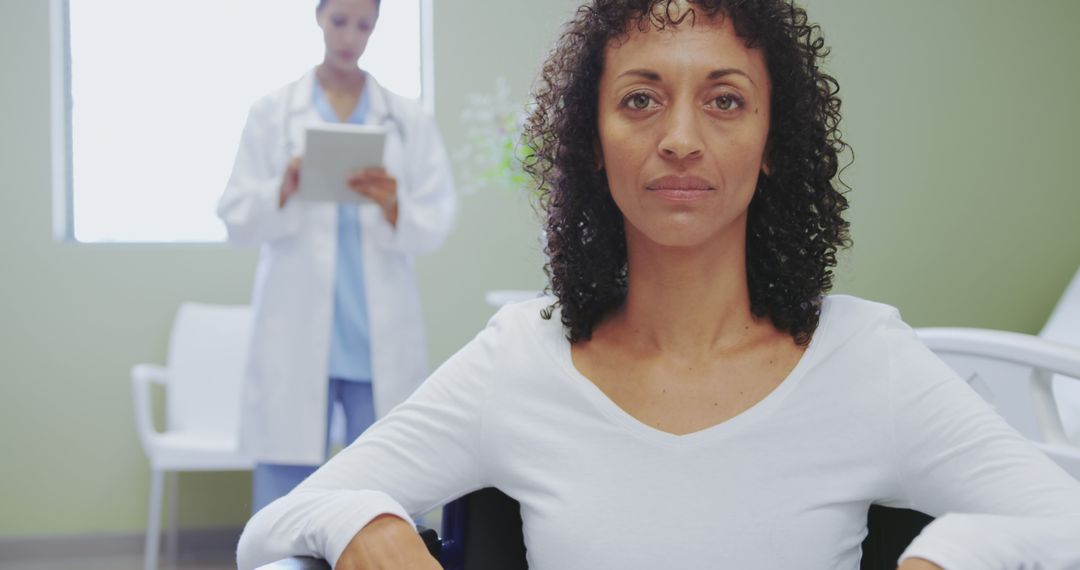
427,203
424,453
1000,503
249,207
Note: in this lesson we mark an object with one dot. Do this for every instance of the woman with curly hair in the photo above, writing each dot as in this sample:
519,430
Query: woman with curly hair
691,398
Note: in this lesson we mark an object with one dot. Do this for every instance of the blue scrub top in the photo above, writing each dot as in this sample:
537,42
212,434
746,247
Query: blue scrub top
350,340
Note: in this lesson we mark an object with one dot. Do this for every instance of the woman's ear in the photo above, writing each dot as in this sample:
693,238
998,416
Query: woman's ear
598,155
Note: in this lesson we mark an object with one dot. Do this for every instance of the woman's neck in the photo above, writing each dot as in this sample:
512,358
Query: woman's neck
340,81
687,300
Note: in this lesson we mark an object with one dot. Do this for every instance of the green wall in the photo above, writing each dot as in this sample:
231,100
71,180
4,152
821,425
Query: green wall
965,211
965,201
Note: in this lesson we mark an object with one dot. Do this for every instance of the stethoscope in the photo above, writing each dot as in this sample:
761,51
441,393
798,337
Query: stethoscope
389,120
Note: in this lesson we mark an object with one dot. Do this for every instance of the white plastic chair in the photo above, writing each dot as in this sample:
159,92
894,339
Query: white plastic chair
1015,372
202,379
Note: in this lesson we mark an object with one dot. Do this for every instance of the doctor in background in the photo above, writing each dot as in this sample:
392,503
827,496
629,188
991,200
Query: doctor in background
336,305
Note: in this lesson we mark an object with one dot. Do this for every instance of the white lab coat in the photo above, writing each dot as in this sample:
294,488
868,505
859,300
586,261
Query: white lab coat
284,415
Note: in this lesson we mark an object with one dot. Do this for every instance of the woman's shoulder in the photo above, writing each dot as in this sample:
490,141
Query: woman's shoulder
397,101
529,317
282,95
856,310
519,329
409,111
516,342
868,331
847,319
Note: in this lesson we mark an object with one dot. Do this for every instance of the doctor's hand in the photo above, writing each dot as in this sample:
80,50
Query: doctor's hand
290,182
387,543
376,184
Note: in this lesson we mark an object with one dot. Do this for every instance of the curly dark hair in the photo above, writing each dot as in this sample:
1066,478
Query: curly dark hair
794,225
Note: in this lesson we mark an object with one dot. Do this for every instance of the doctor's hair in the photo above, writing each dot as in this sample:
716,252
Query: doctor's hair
795,224
323,3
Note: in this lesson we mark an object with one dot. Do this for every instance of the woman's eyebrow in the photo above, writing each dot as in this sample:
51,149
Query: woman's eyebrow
719,73
643,73
713,75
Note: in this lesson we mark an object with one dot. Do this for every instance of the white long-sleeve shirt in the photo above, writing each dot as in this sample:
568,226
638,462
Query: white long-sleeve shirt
868,415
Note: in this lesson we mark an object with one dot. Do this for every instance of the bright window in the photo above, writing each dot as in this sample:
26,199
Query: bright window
152,96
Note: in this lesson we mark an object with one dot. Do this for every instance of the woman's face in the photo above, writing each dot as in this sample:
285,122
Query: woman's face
683,122
346,26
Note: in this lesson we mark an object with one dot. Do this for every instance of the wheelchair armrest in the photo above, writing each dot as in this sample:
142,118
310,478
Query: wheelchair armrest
430,537
298,563
431,541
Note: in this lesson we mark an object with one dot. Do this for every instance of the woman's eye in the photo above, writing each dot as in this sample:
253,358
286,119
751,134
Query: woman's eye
638,101
727,102
337,21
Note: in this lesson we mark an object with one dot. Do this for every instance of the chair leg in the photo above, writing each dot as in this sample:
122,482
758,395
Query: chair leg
153,524
172,537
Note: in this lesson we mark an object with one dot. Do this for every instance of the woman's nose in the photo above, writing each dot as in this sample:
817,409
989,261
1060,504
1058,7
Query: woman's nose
354,37
682,136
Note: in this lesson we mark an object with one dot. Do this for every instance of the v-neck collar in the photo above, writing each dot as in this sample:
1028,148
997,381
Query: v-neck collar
327,112
560,351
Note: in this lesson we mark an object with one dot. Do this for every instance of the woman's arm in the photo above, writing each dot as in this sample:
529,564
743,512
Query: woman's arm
426,452
252,205
426,203
917,564
387,542
1001,502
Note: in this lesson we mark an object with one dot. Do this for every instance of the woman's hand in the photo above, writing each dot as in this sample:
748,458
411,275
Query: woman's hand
380,187
290,183
387,543
918,564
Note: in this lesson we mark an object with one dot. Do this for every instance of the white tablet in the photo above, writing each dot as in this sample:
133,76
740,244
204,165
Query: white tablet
332,153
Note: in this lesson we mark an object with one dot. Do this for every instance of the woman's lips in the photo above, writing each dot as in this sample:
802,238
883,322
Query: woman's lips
680,188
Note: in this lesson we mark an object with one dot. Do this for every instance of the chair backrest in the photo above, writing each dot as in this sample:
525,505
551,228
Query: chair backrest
1015,373
207,354
889,531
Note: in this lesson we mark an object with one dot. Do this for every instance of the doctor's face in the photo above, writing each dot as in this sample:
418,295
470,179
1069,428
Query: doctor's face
346,26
